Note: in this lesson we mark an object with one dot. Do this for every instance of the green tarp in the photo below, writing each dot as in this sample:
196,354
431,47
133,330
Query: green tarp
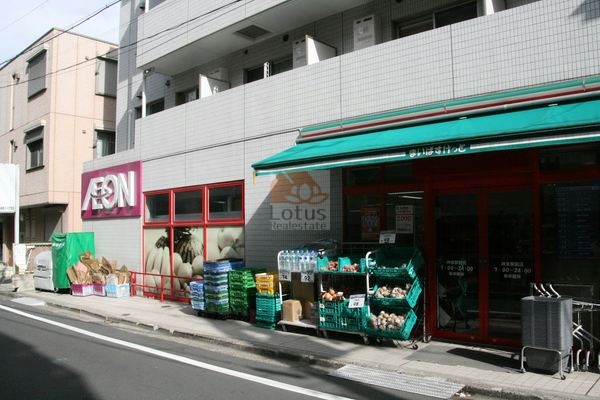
531,127
66,249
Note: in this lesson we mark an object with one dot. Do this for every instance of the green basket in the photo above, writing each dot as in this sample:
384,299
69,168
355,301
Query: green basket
410,319
409,301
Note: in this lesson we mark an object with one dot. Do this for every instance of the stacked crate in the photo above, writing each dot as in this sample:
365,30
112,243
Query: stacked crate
242,292
268,310
197,295
268,301
216,288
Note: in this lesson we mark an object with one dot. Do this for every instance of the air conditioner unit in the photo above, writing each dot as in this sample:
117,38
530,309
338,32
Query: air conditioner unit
366,32
308,51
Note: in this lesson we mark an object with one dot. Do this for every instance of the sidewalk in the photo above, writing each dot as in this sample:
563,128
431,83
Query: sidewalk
480,370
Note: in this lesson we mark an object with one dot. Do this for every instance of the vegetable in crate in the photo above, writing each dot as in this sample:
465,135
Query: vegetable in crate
332,295
386,321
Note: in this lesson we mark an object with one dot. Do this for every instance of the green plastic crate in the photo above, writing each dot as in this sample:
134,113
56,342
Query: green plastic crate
410,319
411,299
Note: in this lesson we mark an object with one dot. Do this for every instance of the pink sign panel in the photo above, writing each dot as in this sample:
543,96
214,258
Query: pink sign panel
112,192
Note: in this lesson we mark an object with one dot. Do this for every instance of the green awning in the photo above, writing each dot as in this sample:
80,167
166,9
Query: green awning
532,127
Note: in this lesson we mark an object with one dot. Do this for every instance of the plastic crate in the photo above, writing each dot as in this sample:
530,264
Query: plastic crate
216,279
403,333
82,289
267,288
121,290
99,289
409,301
197,285
217,308
216,289
271,278
219,267
198,304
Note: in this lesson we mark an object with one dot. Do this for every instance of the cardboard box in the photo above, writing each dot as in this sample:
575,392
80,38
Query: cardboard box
310,307
291,310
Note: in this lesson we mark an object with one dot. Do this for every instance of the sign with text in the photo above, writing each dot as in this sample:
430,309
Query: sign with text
112,192
8,183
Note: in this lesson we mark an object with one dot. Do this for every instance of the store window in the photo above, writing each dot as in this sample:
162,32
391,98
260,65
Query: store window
179,236
188,205
571,237
225,202
157,207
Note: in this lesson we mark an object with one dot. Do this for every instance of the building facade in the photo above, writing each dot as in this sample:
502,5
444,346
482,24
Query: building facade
57,110
467,129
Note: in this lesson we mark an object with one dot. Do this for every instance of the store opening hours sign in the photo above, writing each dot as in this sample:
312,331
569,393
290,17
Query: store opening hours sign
112,192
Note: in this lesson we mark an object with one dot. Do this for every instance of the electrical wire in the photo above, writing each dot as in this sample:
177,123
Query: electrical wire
23,16
126,48
75,25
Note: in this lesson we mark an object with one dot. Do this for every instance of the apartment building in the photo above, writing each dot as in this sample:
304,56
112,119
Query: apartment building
466,129
57,110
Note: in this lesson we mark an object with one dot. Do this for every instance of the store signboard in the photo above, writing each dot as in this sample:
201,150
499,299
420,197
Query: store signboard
112,192
8,183
300,201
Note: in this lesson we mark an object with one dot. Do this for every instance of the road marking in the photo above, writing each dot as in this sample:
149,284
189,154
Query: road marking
181,359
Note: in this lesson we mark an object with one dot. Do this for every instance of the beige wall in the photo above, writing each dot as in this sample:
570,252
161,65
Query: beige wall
71,111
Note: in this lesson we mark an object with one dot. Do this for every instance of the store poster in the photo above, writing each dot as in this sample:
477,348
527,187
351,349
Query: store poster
370,223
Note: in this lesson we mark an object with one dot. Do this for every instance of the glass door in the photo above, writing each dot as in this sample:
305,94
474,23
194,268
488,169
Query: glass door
484,262
457,262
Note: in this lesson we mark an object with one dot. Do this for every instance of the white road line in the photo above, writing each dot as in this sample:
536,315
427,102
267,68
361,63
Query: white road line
181,359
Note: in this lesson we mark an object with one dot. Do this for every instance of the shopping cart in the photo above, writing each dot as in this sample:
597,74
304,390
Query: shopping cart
582,311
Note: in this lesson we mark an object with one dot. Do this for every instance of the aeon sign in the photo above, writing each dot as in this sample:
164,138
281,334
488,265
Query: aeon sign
112,192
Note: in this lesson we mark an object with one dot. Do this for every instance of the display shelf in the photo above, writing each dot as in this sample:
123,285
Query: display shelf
303,323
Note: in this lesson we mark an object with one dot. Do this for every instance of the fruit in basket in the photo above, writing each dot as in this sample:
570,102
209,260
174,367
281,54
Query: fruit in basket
351,268
332,266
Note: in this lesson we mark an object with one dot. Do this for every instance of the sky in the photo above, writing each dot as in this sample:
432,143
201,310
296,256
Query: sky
22,22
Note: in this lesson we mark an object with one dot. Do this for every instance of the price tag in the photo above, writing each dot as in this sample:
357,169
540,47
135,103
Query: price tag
307,276
356,301
285,276
387,237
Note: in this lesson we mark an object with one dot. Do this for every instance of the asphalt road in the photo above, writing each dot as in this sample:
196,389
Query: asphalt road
49,353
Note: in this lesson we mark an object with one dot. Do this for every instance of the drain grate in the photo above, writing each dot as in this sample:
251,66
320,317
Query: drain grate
393,380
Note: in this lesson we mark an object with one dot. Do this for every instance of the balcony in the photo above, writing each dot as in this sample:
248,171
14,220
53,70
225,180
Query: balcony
480,56
181,34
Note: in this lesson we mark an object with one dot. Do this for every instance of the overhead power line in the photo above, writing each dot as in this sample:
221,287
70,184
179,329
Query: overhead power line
127,48
23,16
75,25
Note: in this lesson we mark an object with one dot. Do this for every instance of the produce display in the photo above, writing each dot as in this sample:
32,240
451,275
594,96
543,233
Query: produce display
395,293
386,321
333,295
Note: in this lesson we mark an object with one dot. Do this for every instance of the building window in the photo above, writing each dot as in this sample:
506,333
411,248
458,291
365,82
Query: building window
105,143
36,74
282,65
176,219
254,74
34,140
225,202
437,19
185,96
106,77
155,106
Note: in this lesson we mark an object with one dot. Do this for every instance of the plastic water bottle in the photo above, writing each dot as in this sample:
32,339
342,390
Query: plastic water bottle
312,261
287,260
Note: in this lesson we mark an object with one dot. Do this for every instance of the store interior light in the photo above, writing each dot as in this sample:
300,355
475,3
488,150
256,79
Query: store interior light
411,197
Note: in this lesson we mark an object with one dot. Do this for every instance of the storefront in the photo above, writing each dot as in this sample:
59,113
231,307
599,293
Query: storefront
494,201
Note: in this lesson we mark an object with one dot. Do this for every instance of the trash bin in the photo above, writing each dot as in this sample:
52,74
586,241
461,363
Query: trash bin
66,249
